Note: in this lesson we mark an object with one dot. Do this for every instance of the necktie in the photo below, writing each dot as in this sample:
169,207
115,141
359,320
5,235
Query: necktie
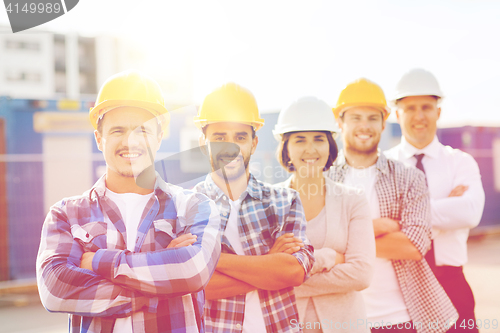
419,164
431,260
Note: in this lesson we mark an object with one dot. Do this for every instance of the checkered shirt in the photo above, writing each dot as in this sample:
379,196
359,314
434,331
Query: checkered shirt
266,213
160,288
403,195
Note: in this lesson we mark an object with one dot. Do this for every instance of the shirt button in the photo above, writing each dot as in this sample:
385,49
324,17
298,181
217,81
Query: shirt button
224,197
238,326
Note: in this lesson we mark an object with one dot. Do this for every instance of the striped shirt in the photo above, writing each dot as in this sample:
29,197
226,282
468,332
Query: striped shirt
160,288
403,196
266,213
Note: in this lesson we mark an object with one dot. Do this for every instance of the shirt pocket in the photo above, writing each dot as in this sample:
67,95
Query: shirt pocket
91,236
268,236
164,232
266,241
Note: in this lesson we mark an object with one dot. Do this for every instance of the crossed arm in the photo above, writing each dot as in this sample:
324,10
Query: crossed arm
464,206
69,283
65,287
181,241
395,244
235,274
392,243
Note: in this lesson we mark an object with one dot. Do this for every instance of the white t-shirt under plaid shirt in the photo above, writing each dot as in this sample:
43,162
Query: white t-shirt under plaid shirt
266,212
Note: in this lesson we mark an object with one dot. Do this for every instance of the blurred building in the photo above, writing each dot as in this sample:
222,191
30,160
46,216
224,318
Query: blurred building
47,65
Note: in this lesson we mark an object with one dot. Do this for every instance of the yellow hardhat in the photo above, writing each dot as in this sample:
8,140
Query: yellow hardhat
231,103
361,92
130,88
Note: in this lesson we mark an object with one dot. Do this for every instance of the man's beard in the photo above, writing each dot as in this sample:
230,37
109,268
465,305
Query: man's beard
354,148
229,175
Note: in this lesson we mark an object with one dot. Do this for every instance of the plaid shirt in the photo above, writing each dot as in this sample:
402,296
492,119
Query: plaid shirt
403,195
162,289
266,213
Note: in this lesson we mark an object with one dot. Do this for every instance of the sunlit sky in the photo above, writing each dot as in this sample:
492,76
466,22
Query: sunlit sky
281,50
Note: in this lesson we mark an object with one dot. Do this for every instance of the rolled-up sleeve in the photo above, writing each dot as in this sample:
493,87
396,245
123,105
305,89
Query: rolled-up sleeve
415,214
296,222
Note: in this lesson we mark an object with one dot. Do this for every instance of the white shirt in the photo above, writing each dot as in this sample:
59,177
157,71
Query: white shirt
253,320
451,217
131,206
383,298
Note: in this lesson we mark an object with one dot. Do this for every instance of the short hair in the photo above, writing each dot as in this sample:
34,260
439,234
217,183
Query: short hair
100,121
284,158
342,114
204,130
437,98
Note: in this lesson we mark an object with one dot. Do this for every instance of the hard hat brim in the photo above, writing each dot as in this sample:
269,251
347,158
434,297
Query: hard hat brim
200,123
156,109
395,99
338,111
278,135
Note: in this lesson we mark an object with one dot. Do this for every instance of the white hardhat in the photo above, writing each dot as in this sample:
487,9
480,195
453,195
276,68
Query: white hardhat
305,114
417,82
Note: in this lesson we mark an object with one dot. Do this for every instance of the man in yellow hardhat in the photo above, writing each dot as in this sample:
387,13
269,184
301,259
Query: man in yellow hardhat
404,295
265,250
122,258
457,195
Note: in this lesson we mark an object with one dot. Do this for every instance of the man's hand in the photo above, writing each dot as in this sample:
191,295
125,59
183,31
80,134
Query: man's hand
385,225
86,261
287,243
458,191
182,240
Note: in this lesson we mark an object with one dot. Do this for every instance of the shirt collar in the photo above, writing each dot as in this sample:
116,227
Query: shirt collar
431,150
381,164
253,189
160,186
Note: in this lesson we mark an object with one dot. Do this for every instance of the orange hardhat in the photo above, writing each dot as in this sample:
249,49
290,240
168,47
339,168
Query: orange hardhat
229,103
361,92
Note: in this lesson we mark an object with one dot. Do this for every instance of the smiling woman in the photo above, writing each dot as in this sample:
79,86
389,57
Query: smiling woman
337,215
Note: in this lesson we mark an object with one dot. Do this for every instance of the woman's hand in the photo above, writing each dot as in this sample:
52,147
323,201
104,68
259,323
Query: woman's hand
339,259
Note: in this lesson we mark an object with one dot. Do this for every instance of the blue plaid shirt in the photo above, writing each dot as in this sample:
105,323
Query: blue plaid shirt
266,213
162,289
